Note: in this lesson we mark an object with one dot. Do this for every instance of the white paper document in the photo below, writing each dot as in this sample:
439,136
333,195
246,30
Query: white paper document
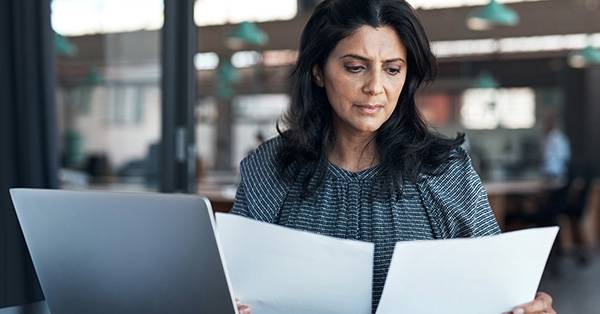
279,270
488,275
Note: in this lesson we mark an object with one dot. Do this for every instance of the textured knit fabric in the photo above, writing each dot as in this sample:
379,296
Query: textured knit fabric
356,205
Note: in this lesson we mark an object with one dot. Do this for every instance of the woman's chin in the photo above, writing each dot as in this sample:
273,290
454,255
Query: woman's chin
367,128
361,125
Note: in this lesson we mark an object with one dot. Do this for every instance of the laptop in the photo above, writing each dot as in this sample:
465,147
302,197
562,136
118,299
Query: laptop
103,252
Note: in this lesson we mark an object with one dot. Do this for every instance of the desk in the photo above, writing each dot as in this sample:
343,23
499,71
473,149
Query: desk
221,196
500,192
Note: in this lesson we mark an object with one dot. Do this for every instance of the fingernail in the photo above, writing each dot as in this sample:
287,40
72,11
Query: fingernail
518,311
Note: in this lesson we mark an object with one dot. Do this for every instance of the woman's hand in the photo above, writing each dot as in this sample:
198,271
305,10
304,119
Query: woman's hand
542,304
242,308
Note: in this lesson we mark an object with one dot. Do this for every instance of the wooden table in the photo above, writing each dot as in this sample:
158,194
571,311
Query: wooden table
221,196
499,193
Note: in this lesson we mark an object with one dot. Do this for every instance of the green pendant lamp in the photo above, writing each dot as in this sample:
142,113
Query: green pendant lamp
228,73
493,14
94,77
485,79
586,57
247,33
63,46
227,76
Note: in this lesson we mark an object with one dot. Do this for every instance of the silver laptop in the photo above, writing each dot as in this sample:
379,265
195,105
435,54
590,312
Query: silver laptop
101,252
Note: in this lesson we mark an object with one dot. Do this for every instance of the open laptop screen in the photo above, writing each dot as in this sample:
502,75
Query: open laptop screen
102,252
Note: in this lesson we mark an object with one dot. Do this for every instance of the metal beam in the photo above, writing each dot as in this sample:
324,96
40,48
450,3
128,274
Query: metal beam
177,149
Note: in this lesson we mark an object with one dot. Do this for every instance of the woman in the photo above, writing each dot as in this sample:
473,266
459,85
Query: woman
356,161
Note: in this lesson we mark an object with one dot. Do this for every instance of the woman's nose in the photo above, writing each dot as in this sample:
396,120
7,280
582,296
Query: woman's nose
374,84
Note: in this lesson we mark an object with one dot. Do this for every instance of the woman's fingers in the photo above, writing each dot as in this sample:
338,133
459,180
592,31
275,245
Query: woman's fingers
242,308
245,310
541,304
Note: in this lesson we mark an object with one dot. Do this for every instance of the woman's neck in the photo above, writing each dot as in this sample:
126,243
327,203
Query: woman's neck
354,152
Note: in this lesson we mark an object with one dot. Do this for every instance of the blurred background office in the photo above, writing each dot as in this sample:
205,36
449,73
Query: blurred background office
169,96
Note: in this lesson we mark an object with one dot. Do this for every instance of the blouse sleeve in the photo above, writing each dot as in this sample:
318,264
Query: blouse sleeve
262,190
240,204
456,200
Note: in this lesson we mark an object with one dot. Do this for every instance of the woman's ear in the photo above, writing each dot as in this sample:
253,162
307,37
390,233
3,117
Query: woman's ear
317,75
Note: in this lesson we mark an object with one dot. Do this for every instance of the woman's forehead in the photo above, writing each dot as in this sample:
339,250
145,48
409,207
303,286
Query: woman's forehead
382,43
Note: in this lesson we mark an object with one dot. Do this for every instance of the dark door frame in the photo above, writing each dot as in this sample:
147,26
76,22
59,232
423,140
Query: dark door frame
177,149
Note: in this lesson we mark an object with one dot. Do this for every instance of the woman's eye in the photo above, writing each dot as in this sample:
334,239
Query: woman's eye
393,71
354,69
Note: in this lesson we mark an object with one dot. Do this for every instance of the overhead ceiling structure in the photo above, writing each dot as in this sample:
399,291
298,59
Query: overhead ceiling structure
562,23
552,17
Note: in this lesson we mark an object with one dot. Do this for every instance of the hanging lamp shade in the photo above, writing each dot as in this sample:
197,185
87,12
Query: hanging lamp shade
63,46
247,33
585,57
485,79
227,76
493,14
227,73
94,77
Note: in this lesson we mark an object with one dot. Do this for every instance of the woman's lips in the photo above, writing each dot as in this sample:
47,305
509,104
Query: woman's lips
368,108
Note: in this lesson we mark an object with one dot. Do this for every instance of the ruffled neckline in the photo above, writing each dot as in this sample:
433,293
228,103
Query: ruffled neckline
348,175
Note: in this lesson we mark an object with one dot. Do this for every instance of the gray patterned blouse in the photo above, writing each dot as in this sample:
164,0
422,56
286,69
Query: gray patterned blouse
355,205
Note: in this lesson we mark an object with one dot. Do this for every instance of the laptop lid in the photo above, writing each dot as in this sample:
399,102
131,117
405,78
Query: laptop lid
103,252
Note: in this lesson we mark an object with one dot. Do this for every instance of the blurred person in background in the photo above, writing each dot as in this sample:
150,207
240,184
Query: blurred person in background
557,150
356,161
567,196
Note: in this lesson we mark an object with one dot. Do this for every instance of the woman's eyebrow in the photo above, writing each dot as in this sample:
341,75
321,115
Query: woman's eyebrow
359,57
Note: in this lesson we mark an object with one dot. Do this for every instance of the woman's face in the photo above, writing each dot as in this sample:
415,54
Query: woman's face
363,78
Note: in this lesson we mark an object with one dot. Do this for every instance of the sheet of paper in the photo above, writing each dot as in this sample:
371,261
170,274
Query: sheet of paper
488,275
280,270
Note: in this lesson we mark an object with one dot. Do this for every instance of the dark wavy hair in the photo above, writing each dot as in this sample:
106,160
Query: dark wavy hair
404,143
